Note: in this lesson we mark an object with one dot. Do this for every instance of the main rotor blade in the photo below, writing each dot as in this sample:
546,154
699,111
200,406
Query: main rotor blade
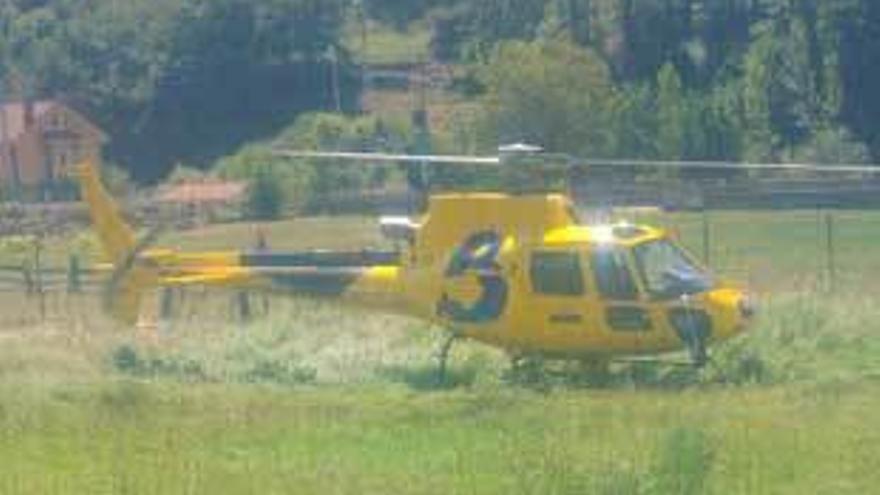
720,165
388,157
540,159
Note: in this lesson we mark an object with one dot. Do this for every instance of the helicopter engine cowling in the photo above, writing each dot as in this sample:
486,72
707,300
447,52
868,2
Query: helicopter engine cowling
400,229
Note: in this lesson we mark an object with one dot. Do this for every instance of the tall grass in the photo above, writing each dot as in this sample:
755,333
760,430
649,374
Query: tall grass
815,337
314,398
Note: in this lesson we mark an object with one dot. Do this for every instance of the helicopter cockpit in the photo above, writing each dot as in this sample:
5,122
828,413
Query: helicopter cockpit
630,261
668,272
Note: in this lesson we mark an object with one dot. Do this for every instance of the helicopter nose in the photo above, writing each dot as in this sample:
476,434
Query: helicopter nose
733,312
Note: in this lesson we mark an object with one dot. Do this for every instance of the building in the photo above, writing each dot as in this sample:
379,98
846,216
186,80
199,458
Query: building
40,141
201,201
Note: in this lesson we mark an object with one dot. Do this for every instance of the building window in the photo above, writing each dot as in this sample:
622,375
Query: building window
557,273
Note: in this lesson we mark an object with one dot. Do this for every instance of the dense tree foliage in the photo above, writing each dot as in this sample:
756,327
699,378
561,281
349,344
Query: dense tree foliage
736,79
179,81
303,182
186,81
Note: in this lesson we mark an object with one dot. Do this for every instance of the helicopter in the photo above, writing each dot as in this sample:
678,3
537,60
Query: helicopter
515,271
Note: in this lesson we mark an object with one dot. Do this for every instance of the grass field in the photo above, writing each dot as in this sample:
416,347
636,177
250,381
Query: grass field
313,398
382,44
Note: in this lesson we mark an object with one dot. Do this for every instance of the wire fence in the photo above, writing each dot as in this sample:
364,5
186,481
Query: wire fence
767,249
772,250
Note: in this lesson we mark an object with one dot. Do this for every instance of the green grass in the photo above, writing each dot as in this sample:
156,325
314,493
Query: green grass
386,45
337,405
313,398
157,437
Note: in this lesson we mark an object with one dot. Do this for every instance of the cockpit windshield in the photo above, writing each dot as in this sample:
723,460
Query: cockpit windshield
668,272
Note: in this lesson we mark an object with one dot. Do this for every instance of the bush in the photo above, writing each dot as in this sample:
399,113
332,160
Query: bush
265,197
127,360
246,363
279,372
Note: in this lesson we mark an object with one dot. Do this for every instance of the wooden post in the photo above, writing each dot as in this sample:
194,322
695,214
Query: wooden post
27,277
831,266
166,309
74,275
244,306
707,247
38,277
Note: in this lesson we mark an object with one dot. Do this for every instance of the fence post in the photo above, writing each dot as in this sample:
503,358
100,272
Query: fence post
166,309
27,277
38,277
244,306
74,275
831,261
707,247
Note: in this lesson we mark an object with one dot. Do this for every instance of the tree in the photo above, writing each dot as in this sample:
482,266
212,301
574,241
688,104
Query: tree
833,145
670,114
470,30
303,182
857,49
324,131
265,198
782,101
256,162
176,80
552,94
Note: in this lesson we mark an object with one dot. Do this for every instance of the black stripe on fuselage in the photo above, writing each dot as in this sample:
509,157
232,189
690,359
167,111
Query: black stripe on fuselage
322,259
319,282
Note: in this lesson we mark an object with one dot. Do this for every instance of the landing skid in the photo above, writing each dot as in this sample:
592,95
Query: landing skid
684,363
443,356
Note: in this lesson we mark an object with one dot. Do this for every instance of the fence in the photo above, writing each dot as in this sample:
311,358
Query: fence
32,293
819,249
771,250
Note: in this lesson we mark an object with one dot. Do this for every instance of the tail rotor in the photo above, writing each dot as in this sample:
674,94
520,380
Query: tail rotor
132,275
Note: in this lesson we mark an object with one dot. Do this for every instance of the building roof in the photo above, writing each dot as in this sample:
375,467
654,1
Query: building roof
202,191
13,115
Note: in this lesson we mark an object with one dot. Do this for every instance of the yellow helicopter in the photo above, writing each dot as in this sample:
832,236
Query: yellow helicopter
514,271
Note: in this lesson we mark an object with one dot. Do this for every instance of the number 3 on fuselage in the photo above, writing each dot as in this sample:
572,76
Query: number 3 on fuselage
478,256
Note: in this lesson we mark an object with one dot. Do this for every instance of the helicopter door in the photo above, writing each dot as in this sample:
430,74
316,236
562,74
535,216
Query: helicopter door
624,312
556,279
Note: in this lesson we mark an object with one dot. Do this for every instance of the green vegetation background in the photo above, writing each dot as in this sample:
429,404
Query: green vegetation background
179,82
317,399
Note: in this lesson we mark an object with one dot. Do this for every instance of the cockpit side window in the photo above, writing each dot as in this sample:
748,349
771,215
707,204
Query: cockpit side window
613,277
667,272
557,273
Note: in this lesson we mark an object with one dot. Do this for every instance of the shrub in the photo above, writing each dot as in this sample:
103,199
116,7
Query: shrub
265,198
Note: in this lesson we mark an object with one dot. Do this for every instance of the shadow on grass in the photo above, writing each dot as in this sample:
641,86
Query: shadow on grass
633,375
258,368
426,378
547,377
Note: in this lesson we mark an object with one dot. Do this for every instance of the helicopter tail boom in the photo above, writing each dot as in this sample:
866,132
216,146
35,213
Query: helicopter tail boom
345,277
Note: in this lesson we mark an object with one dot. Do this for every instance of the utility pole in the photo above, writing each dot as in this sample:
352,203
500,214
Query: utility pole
419,175
334,74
